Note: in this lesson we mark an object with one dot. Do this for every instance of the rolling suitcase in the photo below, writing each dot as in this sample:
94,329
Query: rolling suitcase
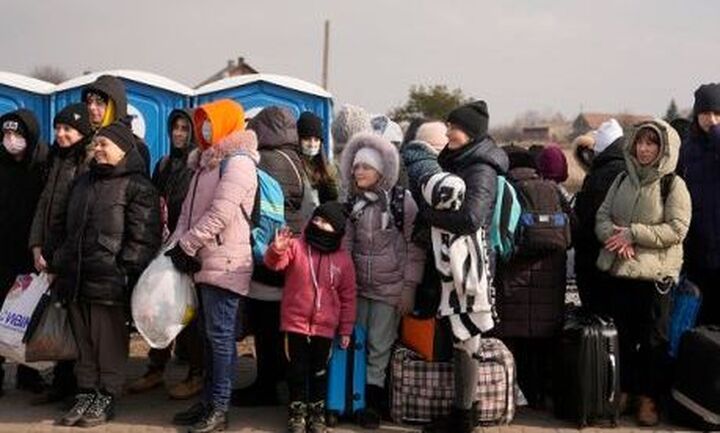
347,377
587,383
696,389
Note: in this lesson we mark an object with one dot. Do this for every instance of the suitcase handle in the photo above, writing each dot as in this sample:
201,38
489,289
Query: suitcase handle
613,376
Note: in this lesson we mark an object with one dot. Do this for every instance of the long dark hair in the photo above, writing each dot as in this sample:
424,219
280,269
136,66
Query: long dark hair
318,170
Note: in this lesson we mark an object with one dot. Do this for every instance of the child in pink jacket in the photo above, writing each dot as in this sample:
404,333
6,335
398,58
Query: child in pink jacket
318,303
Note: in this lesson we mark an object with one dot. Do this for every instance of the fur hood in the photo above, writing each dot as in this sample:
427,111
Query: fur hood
389,153
235,142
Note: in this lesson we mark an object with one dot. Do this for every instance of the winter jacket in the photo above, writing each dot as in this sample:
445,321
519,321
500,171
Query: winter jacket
21,183
634,200
172,175
699,166
478,164
112,232
386,260
531,289
211,226
48,226
114,88
325,310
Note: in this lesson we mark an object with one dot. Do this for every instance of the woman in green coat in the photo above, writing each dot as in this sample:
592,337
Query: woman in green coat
642,224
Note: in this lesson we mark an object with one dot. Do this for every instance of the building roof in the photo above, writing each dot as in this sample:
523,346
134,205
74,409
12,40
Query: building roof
231,70
594,120
26,83
140,76
279,80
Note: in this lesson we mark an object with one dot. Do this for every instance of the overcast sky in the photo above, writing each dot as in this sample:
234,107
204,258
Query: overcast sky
616,55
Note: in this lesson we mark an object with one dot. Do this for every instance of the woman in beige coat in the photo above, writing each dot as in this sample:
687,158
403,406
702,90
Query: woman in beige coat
642,224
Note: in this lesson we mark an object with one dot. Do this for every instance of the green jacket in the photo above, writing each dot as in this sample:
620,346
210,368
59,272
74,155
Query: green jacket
634,200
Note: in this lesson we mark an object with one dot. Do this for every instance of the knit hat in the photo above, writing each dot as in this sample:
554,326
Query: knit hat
606,134
309,126
75,116
434,134
707,98
334,213
15,124
472,118
552,164
216,120
119,133
369,156
349,121
387,129
444,191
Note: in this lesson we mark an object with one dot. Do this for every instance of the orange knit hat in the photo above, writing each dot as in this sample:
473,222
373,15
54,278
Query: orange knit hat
216,120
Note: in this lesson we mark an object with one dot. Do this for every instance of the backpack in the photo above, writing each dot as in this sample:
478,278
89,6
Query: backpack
544,226
665,184
506,216
268,213
397,206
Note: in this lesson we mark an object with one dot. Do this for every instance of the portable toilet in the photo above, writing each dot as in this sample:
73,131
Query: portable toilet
257,91
19,91
150,97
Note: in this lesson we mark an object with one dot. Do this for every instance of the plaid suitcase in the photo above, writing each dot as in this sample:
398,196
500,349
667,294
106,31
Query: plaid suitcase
422,391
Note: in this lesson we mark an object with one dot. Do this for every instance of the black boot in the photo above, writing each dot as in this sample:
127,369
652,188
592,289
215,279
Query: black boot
191,415
83,400
370,417
459,421
28,379
100,411
316,417
297,414
215,420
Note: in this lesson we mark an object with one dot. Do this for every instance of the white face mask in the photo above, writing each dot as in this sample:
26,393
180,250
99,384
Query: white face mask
207,131
14,145
310,147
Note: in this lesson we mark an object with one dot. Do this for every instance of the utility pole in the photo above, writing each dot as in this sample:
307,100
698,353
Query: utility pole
326,54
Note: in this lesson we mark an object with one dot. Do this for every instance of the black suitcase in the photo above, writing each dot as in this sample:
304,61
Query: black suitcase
696,389
587,375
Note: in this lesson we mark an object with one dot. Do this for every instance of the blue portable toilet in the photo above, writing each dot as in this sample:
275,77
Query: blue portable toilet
150,97
19,91
256,91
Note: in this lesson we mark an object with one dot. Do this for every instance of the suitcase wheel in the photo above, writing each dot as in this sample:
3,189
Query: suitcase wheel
331,418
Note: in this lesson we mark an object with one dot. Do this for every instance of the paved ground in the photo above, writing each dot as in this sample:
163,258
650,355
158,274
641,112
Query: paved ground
152,412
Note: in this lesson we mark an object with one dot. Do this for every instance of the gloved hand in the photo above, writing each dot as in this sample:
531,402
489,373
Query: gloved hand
182,261
407,301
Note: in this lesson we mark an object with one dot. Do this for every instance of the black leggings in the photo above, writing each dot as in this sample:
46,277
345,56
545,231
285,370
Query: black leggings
307,367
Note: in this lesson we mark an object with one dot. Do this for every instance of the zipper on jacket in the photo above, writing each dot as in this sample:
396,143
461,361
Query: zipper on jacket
81,238
372,244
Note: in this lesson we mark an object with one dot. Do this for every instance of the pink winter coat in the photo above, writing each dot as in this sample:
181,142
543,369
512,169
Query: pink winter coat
325,310
211,225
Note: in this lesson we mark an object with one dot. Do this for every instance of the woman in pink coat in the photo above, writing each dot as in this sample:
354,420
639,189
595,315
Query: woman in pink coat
213,244
318,303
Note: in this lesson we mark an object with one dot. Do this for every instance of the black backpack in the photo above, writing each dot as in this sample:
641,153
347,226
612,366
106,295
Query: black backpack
544,226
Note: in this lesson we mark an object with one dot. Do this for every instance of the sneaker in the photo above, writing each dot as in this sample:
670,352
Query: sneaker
100,411
215,420
297,412
186,389
151,379
316,418
83,401
191,415
647,415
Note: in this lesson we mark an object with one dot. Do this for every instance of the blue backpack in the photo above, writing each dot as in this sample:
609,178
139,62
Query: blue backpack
268,213
506,217
686,301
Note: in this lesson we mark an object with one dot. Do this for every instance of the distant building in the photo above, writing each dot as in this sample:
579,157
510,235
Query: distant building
543,134
232,69
586,122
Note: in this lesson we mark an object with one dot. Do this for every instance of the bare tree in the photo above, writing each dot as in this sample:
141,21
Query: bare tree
49,73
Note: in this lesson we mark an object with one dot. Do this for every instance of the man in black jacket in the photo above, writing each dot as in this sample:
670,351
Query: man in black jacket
22,176
113,231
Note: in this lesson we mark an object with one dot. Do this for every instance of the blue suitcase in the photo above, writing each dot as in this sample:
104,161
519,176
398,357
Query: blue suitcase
346,377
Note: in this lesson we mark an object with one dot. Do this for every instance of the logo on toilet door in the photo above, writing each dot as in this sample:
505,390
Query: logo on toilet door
138,121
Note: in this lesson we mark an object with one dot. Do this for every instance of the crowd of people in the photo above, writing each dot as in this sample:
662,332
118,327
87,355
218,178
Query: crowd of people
366,242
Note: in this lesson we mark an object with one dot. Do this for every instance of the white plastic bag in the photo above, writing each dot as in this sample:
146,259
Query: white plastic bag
17,310
163,302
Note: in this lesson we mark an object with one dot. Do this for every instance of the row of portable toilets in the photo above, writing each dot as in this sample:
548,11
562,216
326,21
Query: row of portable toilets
151,98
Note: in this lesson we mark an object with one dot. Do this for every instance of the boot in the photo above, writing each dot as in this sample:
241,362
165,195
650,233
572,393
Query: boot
29,380
191,415
186,389
369,418
215,420
647,415
83,401
297,412
151,379
459,421
100,411
316,417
